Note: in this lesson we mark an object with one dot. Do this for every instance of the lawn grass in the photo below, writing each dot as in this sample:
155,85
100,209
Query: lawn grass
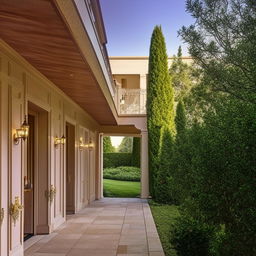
164,216
117,188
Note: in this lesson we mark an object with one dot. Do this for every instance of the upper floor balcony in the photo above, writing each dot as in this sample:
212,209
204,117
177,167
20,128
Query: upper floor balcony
131,101
130,75
131,95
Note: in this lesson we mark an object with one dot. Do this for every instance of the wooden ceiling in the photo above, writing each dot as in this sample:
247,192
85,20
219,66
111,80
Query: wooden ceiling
35,29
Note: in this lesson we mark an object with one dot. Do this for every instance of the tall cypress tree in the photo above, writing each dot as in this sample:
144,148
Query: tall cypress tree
180,118
160,99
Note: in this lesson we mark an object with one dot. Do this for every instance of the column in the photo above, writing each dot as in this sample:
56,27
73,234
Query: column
144,165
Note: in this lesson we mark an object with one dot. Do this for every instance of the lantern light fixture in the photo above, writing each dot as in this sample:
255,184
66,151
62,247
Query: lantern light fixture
90,144
59,140
63,140
81,144
21,133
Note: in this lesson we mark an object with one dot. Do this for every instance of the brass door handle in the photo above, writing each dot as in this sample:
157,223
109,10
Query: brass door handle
15,209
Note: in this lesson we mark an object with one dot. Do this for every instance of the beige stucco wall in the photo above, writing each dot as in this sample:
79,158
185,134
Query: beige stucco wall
135,65
132,81
20,84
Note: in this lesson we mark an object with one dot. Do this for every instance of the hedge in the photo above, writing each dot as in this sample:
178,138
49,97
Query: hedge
117,159
124,173
136,152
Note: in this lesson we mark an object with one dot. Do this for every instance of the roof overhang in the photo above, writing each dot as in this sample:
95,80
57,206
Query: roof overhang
52,36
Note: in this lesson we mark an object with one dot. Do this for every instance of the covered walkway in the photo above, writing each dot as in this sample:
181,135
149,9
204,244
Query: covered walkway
108,227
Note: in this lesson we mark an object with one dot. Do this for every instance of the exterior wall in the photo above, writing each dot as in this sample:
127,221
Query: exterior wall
20,86
131,100
135,65
132,81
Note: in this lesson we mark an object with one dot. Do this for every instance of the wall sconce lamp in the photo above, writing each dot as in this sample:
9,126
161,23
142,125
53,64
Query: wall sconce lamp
90,144
63,140
59,140
21,133
81,144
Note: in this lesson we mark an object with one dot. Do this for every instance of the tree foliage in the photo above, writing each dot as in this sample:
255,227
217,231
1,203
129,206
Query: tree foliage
180,118
222,42
126,145
218,166
214,163
160,99
107,145
162,189
183,76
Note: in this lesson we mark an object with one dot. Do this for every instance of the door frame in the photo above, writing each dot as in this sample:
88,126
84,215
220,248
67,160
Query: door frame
70,121
34,109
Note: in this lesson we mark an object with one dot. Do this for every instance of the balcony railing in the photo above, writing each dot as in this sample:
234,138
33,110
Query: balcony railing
131,101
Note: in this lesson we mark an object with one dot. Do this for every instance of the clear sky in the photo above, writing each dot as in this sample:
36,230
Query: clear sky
129,25
116,140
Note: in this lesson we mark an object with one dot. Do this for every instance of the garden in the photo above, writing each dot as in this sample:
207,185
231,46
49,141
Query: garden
121,173
202,133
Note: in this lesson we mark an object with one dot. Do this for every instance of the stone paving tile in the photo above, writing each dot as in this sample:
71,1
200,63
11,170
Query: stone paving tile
156,254
49,254
108,227
90,252
109,220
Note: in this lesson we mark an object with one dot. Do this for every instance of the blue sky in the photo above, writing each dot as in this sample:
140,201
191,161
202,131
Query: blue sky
129,25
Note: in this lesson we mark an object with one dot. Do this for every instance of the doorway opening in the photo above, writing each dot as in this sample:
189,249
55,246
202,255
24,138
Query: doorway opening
36,174
121,166
70,168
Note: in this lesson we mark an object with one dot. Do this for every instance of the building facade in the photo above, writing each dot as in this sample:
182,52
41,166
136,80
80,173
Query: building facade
130,75
57,99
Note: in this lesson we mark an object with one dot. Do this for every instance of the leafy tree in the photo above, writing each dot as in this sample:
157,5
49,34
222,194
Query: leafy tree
126,145
160,99
183,76
107,145
222,42
136,152
215,156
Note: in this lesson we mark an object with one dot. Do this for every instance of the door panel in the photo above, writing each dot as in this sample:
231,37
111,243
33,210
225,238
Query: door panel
70,168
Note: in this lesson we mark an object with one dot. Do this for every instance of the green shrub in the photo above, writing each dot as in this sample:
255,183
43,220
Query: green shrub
191,237
125,173
220,244
116,159
216,169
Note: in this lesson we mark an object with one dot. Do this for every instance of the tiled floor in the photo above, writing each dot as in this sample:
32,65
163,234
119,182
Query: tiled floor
107,227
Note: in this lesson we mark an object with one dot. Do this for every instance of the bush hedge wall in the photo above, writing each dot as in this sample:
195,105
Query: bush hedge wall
117,159
125,173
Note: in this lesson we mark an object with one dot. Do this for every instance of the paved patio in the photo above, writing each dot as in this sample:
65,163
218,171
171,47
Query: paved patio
107,227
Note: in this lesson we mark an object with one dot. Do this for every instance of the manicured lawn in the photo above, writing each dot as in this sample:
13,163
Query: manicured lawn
117,188
164,216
